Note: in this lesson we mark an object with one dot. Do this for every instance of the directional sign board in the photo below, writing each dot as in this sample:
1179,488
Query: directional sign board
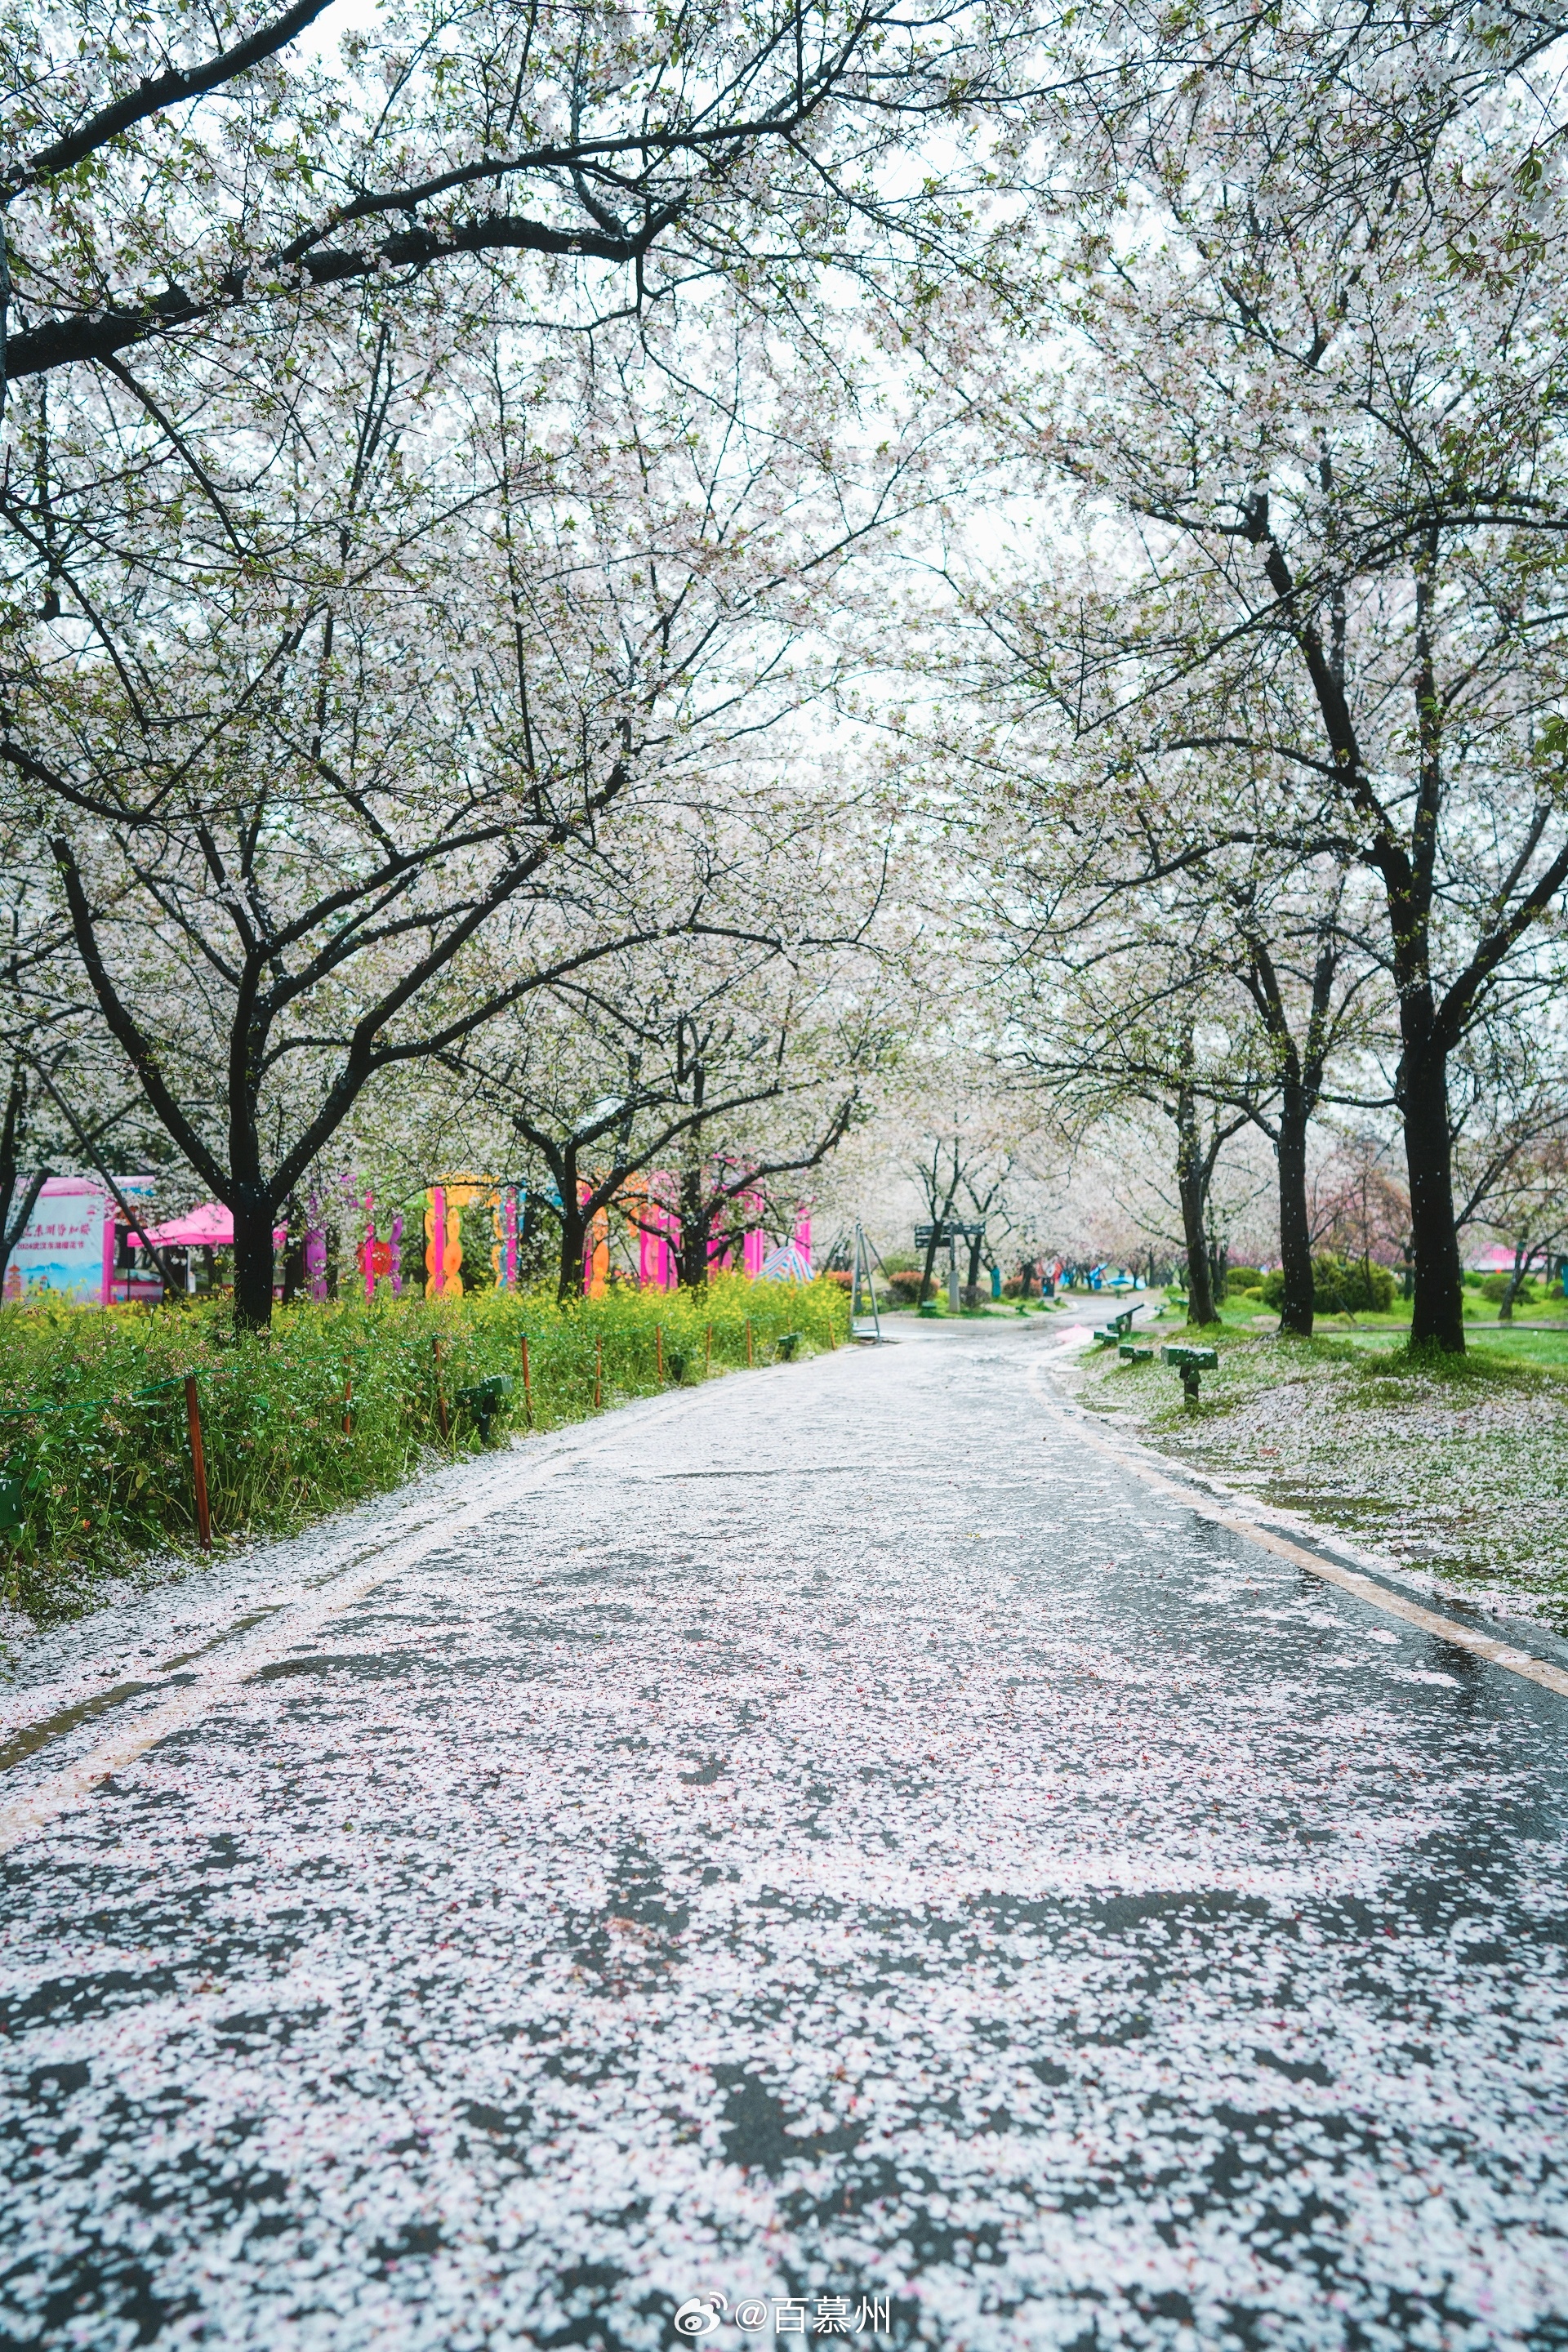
948,1232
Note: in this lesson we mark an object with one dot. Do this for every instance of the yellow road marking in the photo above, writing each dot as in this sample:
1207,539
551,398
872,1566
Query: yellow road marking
1448,1629
64,1790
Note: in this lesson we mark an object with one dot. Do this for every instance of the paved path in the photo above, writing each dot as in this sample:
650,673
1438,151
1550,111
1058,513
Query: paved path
840,1846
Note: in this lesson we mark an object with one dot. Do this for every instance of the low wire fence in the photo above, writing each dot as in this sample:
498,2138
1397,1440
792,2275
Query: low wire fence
128,1432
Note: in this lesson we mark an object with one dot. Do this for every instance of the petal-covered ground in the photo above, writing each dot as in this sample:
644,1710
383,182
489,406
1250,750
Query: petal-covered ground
839,1849
1464,1478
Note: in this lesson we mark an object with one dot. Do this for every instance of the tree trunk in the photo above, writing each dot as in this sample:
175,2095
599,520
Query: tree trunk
252,1261
926,1269
1522,1258
293,1256
573,1248
1437,1312
573,1229
1295,1225
939,1218
1192,1189
14,1219
1438,1316
12,1228
696,1250
696,1228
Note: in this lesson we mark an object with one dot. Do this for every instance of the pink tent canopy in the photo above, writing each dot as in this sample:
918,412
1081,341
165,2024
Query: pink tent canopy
209,1227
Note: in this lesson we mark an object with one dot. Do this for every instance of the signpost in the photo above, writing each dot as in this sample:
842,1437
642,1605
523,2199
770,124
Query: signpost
947,1235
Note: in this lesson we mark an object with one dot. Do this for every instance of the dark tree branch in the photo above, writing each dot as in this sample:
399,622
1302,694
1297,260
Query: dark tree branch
174,88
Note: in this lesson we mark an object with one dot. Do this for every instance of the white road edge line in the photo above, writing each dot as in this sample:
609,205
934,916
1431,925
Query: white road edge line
1393,1604
65,1791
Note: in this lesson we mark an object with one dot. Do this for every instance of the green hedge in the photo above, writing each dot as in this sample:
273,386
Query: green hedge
95,1452
1339,1286
1494,1286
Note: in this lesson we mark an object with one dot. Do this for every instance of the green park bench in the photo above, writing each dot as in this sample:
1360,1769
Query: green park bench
1132,1355
487,1401
1190,1363
785,1345
1116,1329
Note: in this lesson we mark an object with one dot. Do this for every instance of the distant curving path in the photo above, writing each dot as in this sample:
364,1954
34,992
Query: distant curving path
835,1847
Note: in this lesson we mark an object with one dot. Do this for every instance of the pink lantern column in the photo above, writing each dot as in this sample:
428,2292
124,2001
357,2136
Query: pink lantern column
754,1241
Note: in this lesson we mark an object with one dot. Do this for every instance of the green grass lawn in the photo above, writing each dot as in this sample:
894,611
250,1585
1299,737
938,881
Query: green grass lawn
1538,1336
1460,1469
1522,1347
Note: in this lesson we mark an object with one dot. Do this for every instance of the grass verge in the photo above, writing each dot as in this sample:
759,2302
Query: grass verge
1455,1465
336,1403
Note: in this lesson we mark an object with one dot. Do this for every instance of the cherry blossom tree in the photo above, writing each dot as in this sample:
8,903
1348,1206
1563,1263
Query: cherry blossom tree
343,774
186,179
1307,432
1126,916
729,1057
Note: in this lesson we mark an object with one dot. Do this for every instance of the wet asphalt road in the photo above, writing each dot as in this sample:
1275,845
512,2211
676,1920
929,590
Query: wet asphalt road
840,1847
